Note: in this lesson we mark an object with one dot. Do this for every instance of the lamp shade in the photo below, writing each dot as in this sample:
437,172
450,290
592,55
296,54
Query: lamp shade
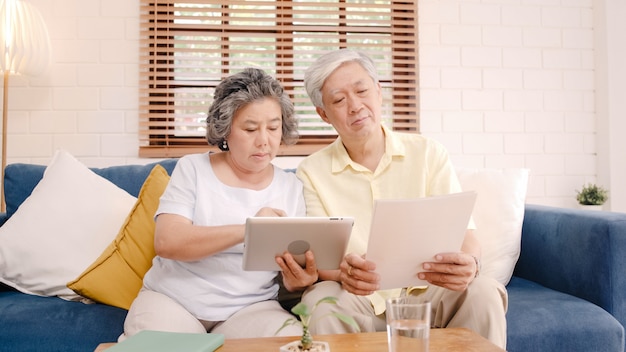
24,49
24,41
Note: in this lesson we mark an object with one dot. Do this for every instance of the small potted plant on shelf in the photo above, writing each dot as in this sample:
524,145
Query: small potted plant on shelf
306,342
592,196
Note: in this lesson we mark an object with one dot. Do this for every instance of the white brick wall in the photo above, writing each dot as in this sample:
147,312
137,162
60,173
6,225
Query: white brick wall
504,84
511,84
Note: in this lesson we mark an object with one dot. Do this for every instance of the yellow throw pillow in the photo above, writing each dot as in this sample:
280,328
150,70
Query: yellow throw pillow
116,276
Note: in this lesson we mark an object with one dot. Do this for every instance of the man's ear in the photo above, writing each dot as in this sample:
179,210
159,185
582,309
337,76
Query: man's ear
322,114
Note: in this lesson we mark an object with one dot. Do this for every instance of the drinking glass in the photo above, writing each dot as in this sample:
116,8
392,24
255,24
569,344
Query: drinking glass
408,324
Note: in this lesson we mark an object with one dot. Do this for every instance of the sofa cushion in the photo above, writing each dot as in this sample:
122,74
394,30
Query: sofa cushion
59,230
541,319
116,276
33,323
20,179
498,215
578,252
19,182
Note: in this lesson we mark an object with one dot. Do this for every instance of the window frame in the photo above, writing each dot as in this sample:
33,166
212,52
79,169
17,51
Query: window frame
158,116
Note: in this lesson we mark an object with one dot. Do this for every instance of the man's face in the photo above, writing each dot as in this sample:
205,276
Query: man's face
352,101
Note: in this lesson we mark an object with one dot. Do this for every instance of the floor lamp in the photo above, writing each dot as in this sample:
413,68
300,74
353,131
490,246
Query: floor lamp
24,49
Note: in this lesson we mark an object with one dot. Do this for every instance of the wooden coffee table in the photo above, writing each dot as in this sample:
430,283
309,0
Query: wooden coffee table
452,339
449,340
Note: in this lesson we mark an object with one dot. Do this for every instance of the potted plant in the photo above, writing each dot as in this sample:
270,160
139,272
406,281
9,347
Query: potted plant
306,342
592,195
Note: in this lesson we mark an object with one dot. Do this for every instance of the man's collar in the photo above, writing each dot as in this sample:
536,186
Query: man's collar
393,145
341,158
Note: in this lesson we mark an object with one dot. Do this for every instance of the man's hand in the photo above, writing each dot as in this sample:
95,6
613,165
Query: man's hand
357,275
453,271
295,277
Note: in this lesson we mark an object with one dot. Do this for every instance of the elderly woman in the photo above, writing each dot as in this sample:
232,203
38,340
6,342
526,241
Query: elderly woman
196,283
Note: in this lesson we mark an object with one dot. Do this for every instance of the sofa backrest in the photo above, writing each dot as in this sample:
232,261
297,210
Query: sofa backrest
578,252
20,179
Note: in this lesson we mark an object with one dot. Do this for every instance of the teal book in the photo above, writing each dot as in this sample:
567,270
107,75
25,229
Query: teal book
162,341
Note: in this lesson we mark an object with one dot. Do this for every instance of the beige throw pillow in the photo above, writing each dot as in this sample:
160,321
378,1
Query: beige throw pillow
498,215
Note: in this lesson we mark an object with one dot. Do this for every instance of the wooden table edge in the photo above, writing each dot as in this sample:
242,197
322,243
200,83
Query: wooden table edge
449,340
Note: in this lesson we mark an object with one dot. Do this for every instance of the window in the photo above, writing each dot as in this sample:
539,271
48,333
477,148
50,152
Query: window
188,47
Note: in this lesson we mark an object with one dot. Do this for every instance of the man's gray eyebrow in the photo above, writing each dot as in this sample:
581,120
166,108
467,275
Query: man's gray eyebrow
359,82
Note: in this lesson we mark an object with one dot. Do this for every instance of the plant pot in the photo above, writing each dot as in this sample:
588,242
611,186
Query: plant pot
296,346
590,207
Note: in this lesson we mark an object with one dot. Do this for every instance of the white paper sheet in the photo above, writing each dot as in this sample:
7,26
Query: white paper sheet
408,232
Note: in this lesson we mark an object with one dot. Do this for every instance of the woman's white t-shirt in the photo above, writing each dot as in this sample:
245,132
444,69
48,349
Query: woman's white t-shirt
216,286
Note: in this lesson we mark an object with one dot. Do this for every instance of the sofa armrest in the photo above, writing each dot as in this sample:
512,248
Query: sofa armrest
578,252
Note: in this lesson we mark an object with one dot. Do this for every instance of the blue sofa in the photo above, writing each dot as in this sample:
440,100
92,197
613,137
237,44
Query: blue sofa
568,292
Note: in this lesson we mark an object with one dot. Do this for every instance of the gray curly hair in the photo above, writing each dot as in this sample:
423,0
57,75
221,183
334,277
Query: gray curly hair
240,89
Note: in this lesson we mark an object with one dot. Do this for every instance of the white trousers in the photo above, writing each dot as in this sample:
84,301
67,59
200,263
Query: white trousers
156,311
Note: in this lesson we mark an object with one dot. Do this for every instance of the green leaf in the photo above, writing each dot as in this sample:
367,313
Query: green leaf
301,310
348,320
329,299
287,322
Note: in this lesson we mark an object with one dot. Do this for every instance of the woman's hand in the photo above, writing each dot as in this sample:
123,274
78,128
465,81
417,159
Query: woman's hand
296,277
270,212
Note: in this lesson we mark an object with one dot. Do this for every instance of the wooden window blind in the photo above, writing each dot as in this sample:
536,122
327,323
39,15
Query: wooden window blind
188,47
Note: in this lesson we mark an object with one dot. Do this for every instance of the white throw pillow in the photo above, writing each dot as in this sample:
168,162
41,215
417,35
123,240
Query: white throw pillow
61,228
498,215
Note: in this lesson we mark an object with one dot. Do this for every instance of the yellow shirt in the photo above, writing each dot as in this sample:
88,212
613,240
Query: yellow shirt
413,166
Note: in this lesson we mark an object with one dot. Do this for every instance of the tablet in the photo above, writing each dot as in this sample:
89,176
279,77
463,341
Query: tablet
267,237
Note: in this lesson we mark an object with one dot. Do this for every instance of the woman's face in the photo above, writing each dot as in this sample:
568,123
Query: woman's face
255,135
